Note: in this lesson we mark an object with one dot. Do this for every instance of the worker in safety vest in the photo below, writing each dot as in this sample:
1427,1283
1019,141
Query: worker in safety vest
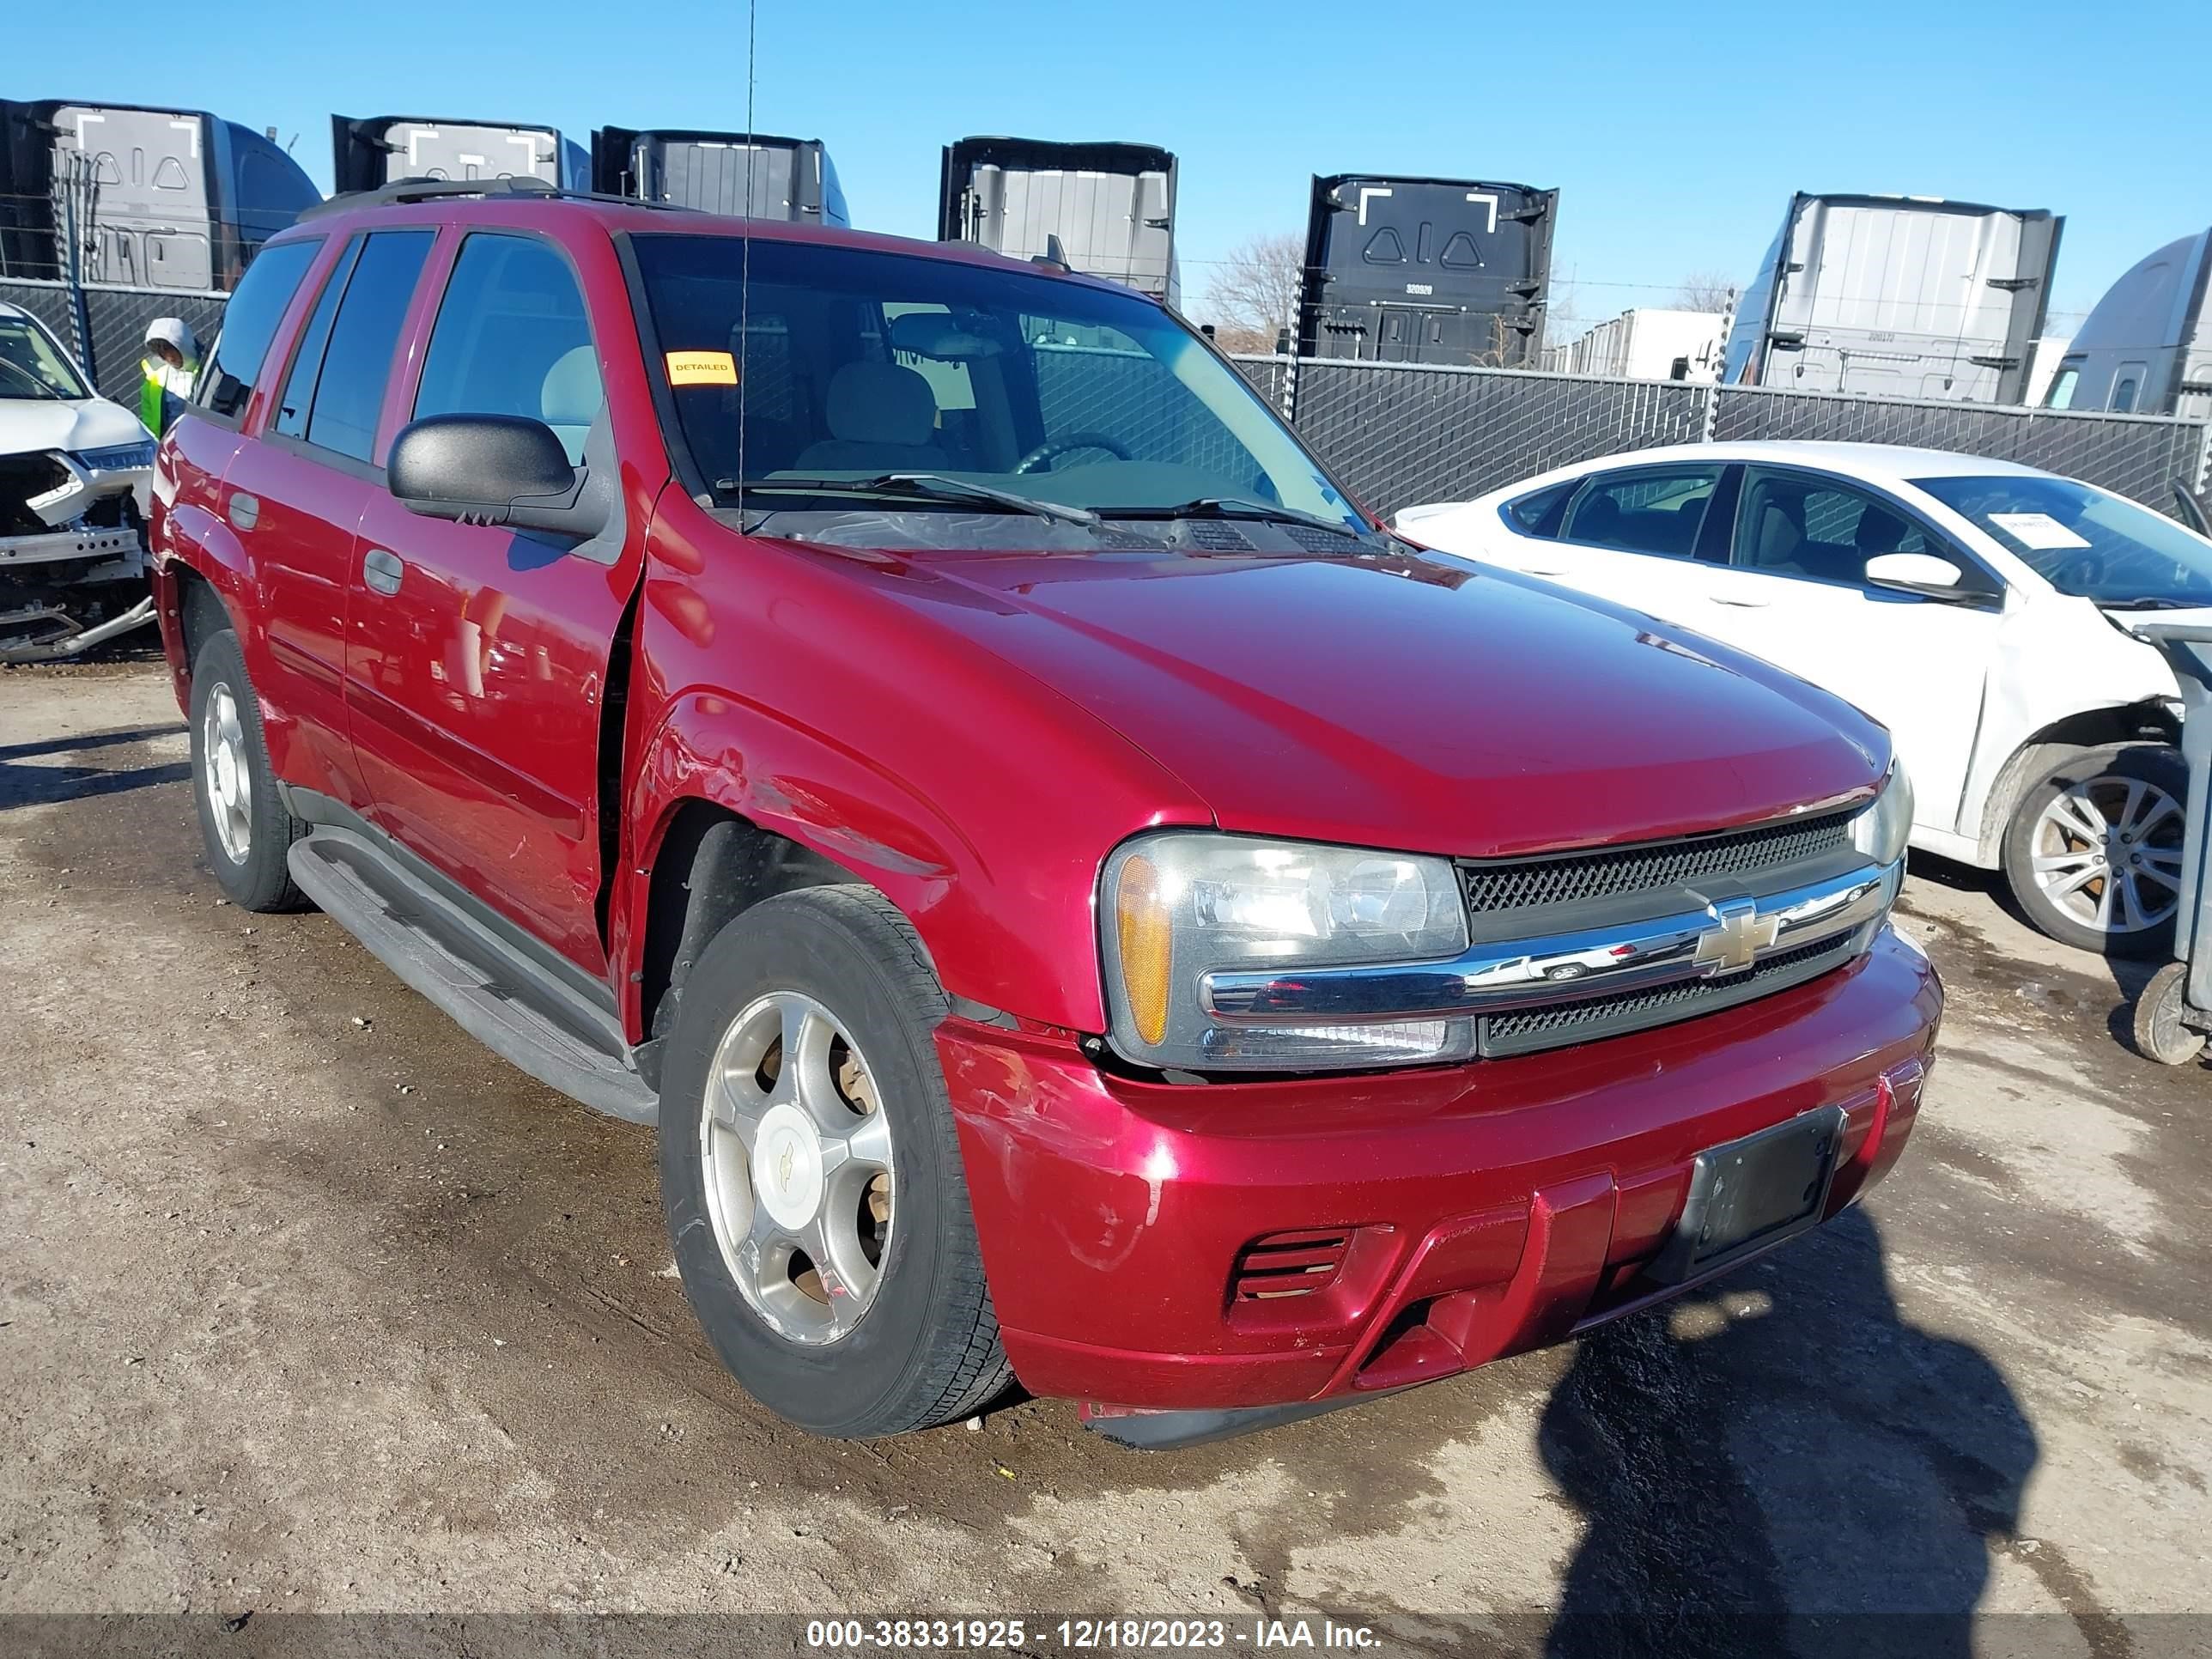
172,358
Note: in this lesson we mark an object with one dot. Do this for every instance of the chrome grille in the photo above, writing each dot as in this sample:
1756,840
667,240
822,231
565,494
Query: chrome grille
1493,885
1524,1030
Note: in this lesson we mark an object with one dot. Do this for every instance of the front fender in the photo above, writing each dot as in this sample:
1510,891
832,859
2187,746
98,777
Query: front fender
752,761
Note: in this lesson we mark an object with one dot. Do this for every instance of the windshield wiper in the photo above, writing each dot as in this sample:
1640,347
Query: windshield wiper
1236,507
2151,602
930,486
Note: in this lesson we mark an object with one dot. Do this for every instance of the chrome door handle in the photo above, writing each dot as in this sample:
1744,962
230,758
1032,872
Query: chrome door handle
382,570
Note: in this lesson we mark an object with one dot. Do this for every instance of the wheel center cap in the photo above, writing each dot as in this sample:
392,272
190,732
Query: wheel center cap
787,1165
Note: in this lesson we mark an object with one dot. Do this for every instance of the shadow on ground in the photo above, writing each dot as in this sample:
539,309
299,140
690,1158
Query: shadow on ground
1783,1466
25,778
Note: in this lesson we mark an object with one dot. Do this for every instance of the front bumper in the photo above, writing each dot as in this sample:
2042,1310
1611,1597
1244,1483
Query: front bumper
1489,1208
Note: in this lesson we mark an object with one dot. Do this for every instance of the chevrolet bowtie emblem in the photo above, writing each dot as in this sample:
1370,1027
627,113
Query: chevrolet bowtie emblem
1738,933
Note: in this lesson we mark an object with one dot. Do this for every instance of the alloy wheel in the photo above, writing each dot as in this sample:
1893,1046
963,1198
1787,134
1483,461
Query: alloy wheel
2107,853
229,776
797,1154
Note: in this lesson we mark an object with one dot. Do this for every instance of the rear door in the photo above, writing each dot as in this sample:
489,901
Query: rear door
1793,591
1632,536
477,667
295,492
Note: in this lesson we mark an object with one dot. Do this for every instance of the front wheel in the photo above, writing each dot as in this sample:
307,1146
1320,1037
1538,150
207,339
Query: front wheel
2093,854
811,1177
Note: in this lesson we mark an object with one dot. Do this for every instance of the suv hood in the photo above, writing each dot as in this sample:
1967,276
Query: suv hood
1404,702
33,424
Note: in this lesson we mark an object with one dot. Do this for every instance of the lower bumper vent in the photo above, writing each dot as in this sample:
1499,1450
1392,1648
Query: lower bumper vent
1288,1264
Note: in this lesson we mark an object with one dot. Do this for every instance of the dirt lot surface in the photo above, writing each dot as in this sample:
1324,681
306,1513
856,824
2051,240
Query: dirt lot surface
309,1305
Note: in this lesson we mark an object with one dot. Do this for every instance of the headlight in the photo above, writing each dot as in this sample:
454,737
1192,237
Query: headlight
1176,906
1880,831
116,457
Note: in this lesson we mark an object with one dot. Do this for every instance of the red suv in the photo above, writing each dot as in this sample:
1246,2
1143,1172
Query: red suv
1080,901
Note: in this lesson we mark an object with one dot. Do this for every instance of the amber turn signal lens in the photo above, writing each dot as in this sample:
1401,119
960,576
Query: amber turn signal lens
1141,924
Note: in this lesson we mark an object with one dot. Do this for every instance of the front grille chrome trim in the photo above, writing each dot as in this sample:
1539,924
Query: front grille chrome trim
1719,940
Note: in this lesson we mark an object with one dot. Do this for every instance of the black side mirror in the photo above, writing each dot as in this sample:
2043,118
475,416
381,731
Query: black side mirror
491,469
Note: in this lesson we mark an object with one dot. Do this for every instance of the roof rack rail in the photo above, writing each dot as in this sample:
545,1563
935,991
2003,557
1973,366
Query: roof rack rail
402,191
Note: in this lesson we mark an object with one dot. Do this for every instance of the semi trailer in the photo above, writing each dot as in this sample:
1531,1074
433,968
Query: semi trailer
1426,270
168,198
2147,347
369,151
748,175
1108,208
1898,296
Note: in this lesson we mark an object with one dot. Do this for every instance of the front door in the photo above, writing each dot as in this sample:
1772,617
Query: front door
1794,593
477,665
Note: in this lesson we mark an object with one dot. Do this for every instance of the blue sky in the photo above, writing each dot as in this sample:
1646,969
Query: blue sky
1676,133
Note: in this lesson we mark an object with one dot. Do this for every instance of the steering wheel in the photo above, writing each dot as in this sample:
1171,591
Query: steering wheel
1053,448
38,385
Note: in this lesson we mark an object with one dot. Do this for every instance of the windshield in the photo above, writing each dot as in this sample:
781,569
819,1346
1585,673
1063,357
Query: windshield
2084,541
849,366
33,365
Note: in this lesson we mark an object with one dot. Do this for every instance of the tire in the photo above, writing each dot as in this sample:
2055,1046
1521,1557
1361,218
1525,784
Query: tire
2159,1033
248,836
2050,824
923,1348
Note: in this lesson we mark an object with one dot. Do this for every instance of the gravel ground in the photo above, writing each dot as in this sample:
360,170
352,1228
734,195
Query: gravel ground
311,1305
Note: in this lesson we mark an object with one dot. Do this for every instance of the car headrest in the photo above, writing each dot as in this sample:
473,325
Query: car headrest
571,395
1598,516
881,403
1779,539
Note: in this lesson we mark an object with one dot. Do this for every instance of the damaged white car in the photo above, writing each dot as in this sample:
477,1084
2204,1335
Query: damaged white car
75,470
1981,610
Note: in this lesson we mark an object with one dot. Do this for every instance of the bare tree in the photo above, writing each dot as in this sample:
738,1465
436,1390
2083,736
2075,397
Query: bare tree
1253,295
1703,290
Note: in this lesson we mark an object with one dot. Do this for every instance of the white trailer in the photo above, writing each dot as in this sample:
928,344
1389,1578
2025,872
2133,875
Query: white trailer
1649,342
1899,296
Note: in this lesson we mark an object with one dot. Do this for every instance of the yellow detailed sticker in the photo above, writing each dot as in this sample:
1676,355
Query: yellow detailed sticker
701,368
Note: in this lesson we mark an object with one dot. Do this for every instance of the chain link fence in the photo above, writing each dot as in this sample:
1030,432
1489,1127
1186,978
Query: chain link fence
2134,455
1400,433
117,318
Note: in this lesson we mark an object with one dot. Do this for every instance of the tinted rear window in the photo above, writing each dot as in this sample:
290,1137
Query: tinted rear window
249,323
350,393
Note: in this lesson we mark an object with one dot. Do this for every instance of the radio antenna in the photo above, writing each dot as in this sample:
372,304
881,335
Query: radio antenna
745,247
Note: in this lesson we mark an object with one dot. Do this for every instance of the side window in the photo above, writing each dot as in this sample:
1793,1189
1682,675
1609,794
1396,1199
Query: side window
2061,395
1657,509
307,357
513,337
2123,394
1540,511
1793,524
249,324
363,338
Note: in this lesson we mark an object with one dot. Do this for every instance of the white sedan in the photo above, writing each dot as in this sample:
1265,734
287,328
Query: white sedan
1979,609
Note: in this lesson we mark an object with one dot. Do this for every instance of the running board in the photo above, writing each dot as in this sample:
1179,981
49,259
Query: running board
514,1007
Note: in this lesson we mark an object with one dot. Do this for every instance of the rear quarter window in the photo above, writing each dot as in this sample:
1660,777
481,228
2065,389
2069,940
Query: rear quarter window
1539,512
249,324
